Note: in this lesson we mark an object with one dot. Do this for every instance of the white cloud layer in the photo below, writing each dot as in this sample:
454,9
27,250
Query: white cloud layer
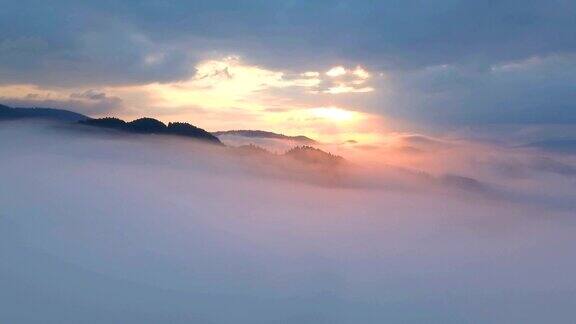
101,228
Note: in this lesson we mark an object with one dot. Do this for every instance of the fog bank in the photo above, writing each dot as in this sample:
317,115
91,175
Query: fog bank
96,227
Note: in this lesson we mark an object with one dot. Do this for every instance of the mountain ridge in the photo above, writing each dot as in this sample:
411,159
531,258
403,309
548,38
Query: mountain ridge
265,134
148,125
14,113
303,153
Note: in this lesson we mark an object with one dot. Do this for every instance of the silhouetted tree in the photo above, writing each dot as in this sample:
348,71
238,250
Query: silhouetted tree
107,122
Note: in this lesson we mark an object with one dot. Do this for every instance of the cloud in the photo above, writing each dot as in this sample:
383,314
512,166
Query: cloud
341,80
92,94
123,39
537,90
95,225
227,82
336,71
89,101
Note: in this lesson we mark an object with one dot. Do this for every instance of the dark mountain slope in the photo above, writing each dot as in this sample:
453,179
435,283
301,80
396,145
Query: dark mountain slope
252,150
153,126
311,155
107,122
9,113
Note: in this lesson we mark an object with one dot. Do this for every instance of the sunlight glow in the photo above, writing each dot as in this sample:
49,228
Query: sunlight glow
229,93
333,113
342,88
310,74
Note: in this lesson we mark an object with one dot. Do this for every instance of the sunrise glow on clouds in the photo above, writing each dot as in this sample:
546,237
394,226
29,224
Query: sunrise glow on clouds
229,93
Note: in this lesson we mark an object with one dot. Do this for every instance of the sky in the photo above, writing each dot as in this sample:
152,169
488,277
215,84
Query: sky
334,70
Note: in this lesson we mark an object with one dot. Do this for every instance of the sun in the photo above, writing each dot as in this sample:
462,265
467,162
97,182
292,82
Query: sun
333,113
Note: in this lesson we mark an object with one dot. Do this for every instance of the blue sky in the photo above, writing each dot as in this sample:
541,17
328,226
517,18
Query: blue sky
432,63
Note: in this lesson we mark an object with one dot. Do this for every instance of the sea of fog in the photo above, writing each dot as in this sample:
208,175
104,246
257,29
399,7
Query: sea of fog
103,228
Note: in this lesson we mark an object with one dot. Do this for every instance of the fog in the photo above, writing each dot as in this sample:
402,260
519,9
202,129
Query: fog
96,227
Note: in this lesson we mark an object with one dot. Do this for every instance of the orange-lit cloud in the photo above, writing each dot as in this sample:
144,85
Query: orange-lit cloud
230,93
342,80
336,71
